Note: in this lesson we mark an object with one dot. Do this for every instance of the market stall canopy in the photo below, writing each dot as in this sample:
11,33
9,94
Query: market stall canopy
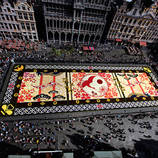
143,43
118,40
85,48
91,48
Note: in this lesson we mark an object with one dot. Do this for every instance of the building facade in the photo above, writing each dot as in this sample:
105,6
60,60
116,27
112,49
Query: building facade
12,19
75,21
135,25
26,19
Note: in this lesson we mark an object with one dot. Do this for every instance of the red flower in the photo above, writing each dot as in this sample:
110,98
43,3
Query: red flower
20,99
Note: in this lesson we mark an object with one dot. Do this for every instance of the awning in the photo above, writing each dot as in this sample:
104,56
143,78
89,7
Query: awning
91,48
85,48
118,40
143,43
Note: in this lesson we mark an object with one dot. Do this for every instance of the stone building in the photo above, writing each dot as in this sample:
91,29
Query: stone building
135,25
75,21
17,21
26,19
9,26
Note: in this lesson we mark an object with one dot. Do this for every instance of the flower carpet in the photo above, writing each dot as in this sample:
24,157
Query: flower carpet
38,89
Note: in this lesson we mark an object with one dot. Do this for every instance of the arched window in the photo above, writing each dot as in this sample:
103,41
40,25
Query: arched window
56,36
63,36
76,26
50,35
92,38
86,38
75,37
81,38
69,37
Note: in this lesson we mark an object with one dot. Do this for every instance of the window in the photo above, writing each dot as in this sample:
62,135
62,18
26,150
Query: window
33,26
20,15
14,26
139,23
23,8
11,17
23,26
25,16
18,26
2,25
34,37
7,17
10,26
6,25
3,17
8,9
31,17
126,19
28,26
134,12
15,18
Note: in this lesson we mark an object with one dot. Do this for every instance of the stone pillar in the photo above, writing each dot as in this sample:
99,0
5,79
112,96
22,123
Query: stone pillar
80,26
73,22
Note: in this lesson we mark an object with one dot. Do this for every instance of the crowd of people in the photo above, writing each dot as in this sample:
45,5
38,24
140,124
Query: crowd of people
102,132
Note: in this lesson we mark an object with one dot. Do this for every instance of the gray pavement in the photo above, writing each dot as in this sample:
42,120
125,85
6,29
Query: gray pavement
107,127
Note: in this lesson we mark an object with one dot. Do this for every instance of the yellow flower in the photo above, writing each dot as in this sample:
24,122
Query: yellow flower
29,104
20,77
135,98
108,100
42,103
55,102
117,99
18,86
16,94
45,70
